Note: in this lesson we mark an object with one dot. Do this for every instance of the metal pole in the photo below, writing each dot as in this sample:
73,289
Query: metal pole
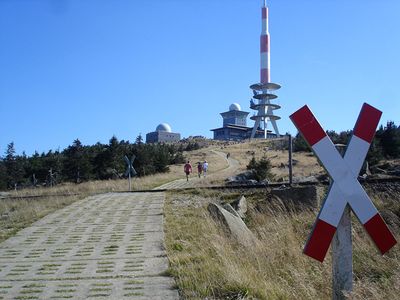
290,160
342,256
265,128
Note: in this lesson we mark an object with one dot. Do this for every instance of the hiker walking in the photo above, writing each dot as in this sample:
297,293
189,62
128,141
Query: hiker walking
205,168
187,168
199,169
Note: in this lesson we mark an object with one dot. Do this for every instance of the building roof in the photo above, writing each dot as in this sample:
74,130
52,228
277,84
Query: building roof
164,127
235,106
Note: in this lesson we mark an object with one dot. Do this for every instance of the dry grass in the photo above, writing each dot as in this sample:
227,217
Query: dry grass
16,214
305,164
208,264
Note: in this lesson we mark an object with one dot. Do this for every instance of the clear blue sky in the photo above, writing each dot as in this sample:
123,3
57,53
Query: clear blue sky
90,69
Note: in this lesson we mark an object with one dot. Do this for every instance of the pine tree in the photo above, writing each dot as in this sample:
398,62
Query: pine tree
375,153
139,139
3,175
76,162
261,169
390,140
161,159
116,155
299,143
13,166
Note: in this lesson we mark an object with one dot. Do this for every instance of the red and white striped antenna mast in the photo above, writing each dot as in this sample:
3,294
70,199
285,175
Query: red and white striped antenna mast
262,96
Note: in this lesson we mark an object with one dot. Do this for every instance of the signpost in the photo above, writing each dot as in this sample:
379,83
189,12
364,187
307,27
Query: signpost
130,170
290,160
345,191
342,257
50,177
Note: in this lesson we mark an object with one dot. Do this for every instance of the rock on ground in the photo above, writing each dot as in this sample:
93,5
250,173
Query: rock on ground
240,206
232,224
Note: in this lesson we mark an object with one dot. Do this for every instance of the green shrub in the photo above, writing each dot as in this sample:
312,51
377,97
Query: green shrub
261,169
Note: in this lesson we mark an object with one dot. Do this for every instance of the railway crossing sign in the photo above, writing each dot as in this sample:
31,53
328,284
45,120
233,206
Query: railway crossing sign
345,188
130,170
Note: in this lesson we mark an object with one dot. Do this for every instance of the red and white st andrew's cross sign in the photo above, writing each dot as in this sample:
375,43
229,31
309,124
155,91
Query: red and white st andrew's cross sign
345,187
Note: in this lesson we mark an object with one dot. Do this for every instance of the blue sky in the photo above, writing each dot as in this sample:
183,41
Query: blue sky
90,69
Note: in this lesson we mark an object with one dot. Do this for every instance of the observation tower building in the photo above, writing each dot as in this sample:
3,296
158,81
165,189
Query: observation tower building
234,125
262,92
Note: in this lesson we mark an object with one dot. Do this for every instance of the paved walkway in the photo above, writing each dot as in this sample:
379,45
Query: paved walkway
107,246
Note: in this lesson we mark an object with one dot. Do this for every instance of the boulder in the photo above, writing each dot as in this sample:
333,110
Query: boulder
300,195
240,177
5,216
232,224
306,180
242,182
229,208
240,206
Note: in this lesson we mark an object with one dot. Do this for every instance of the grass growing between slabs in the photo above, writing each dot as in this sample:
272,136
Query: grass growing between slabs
207,263
19,209
17,214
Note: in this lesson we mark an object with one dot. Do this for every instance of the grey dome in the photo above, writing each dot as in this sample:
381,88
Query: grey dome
163,127
235,106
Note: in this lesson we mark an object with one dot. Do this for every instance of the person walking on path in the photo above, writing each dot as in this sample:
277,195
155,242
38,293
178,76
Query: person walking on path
205,168
187,169
199,169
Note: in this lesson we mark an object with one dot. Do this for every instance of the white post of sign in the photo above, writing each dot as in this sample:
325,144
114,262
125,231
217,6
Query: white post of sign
130,170
290,160
342,258
342,252
130,186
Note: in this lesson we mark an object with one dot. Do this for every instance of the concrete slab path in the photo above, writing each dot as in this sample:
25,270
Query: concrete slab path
108,246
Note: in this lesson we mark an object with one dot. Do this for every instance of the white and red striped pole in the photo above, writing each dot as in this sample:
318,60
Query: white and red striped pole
264,46
345,188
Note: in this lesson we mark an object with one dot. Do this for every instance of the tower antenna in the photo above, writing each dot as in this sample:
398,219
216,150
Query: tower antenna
262,104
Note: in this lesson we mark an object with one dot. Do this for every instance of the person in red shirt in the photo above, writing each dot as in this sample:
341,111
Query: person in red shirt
187,169
199,169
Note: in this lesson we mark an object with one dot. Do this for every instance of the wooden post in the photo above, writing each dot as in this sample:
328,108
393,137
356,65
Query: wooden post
290,160
129,176
342,253
342,258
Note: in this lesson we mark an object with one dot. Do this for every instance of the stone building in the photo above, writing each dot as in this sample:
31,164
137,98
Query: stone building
163,134
234,125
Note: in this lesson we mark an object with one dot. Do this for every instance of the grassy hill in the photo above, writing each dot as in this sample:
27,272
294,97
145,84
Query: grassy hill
206,262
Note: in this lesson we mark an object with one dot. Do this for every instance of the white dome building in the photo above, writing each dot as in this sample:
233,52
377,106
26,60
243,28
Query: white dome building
162,134
234,126
164,127
235,116
234,106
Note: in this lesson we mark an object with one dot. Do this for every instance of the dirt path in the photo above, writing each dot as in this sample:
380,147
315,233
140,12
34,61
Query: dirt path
107,246
194,181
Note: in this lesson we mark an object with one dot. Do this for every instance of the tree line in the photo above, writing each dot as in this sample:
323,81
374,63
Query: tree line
385,145
79,162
